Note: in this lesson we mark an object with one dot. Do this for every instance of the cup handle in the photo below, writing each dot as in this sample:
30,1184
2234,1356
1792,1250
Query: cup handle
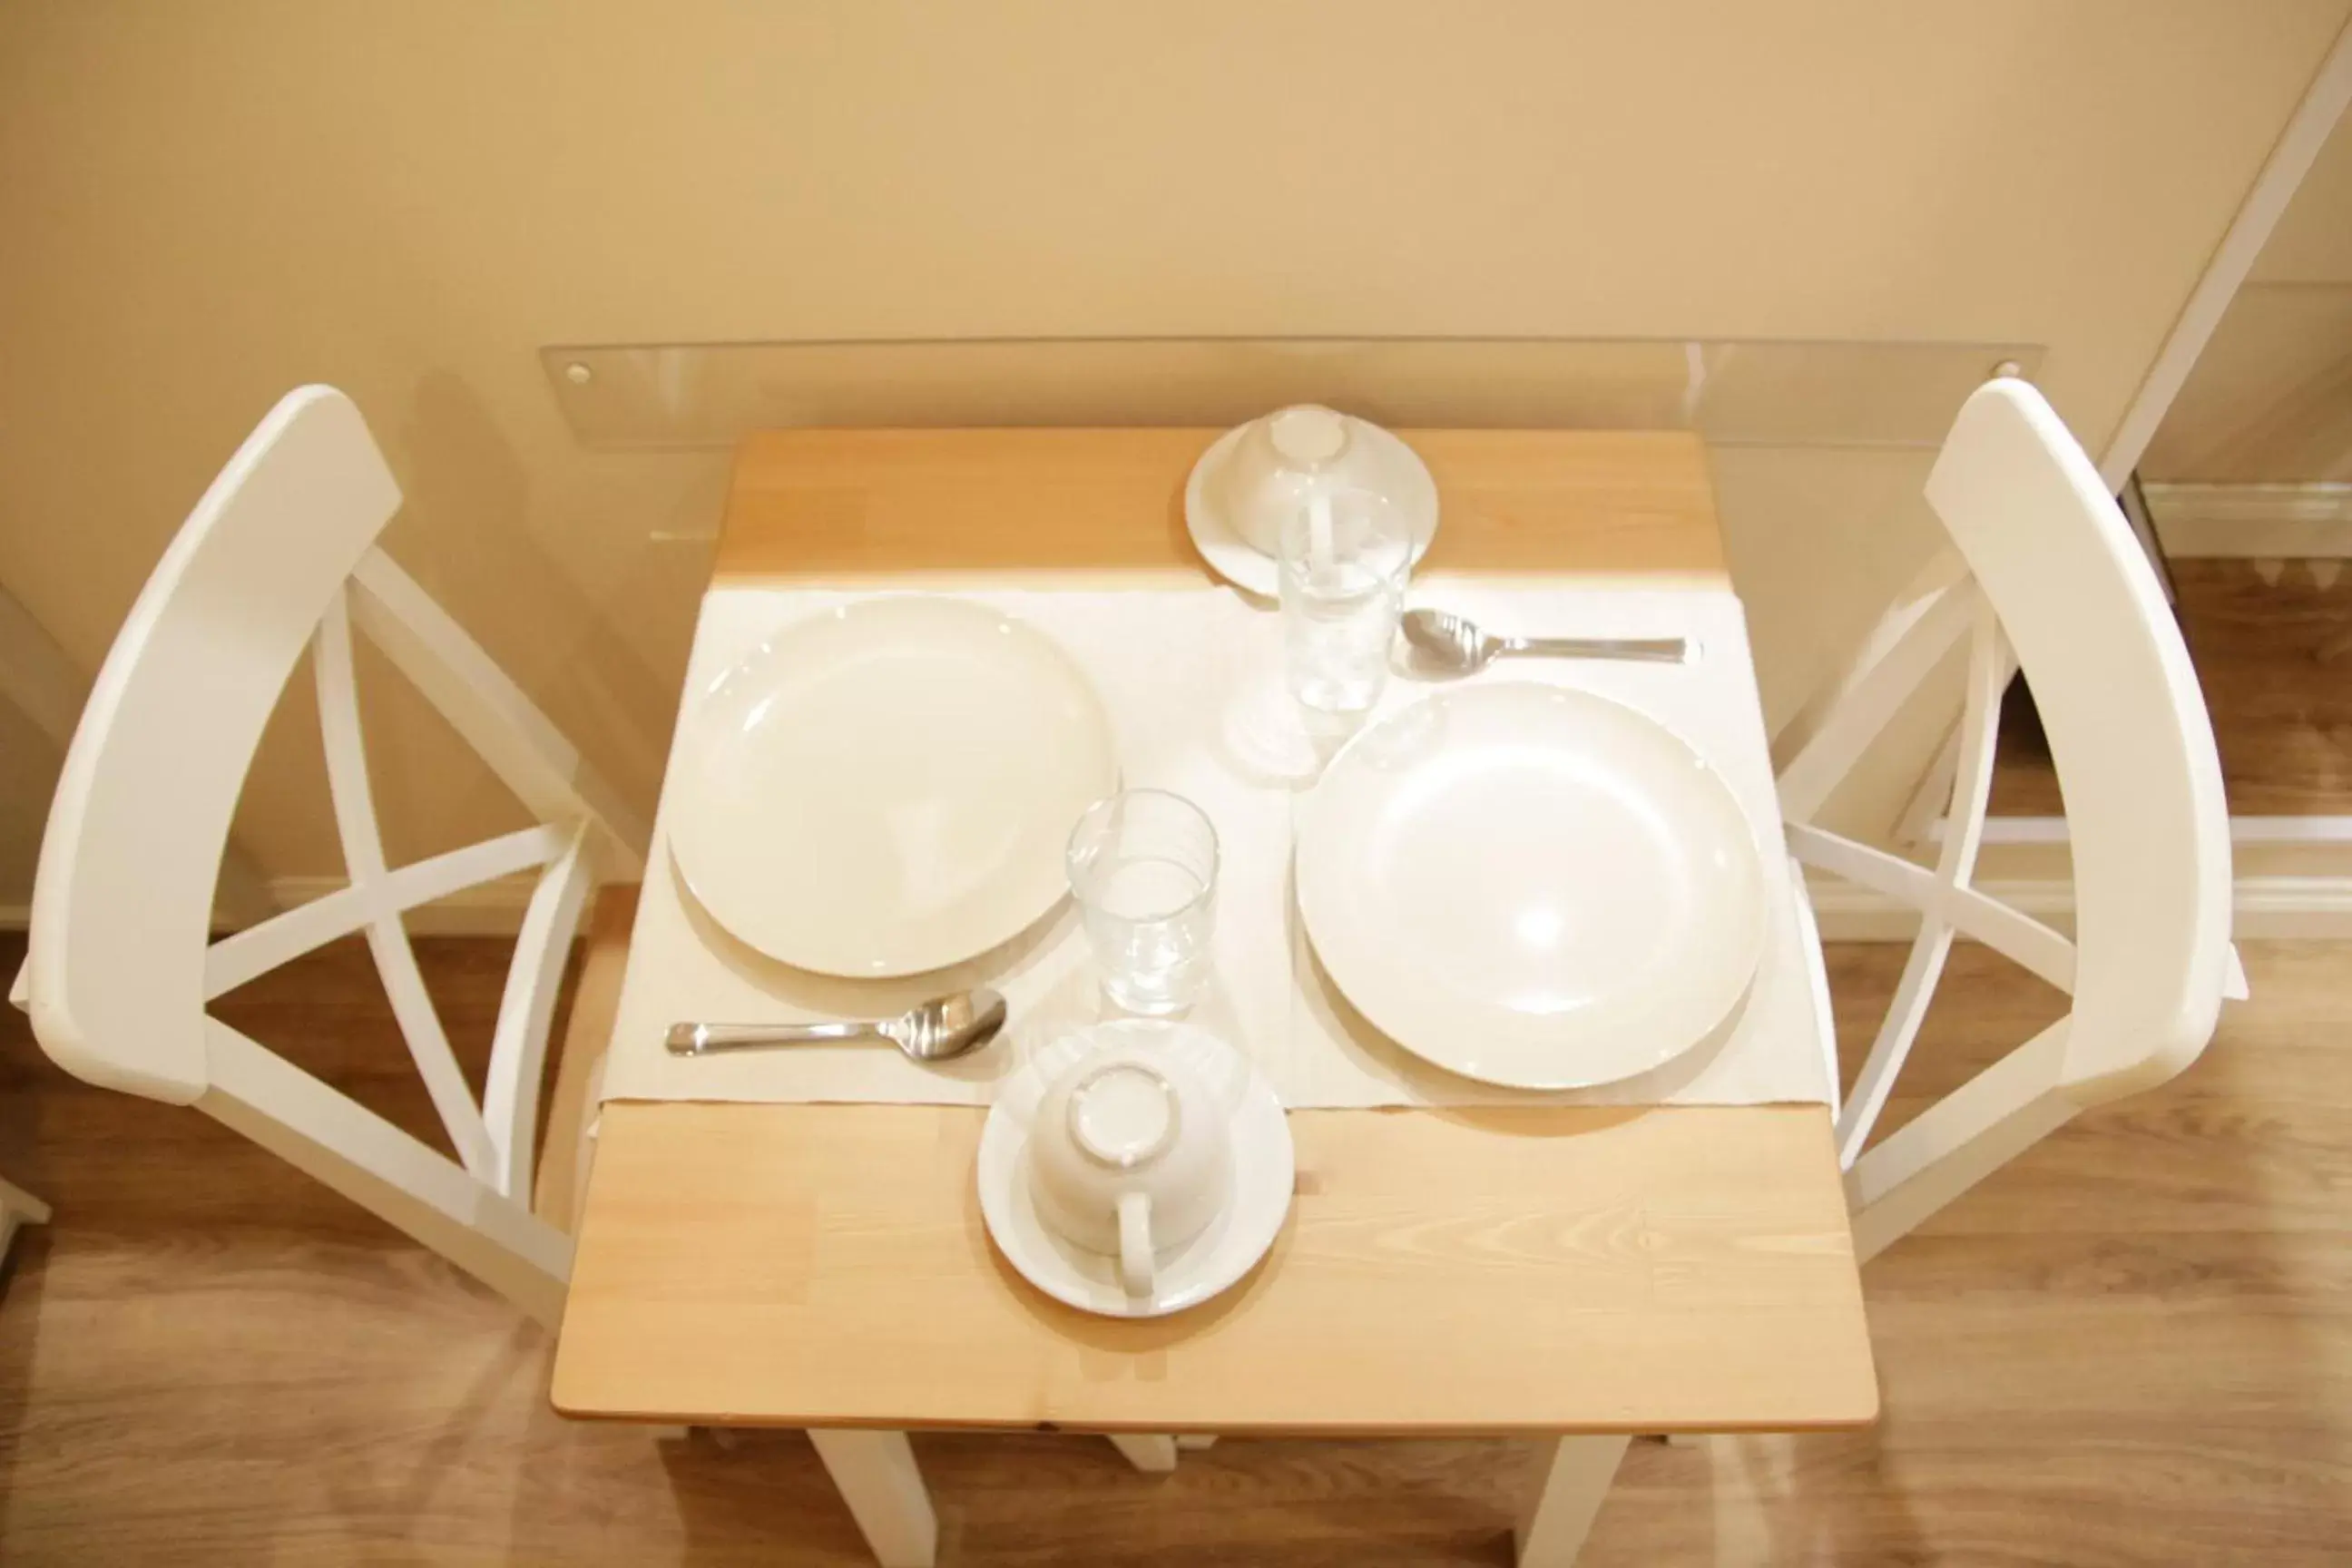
1135,1260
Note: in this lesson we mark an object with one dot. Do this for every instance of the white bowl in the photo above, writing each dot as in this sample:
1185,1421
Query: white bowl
1285,458
1532,886
1226,474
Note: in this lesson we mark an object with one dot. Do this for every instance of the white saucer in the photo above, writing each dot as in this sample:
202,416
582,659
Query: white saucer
1245,565
1263,1170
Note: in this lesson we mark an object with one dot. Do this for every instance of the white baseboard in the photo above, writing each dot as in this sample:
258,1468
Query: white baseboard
2279,907
494,909
2298,832
2261,907
2268,906
1844,912
2263,523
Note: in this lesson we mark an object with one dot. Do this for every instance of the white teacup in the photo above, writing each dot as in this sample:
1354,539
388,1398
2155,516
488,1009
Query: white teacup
1283,460
1130,1156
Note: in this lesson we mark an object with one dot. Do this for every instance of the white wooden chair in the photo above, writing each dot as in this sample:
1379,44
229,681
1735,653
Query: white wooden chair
279,555
2045,575
2042,573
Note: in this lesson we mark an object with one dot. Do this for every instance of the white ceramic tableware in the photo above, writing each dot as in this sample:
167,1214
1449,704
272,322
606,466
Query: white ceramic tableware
885,787
1243,486
1285,458
1532,886
1261,1169
1130,1156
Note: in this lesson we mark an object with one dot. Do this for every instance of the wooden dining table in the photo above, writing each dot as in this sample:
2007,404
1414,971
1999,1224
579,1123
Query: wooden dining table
1565,1274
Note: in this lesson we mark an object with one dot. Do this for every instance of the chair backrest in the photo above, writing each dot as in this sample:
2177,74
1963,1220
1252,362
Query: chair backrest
279,555
2043,574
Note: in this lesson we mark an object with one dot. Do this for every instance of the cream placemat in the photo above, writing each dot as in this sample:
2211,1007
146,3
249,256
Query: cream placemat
1193,680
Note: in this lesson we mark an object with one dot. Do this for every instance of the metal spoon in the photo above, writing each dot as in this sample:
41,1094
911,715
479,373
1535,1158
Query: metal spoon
942,1027
1448,644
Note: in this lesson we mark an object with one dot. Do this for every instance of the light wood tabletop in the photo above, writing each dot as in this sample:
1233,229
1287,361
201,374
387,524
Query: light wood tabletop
1539,1270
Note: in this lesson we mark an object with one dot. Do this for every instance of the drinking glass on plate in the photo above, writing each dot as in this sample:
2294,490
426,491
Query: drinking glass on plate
1143,868
1345,556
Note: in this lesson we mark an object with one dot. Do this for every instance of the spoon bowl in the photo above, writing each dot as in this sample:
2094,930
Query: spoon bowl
947,1027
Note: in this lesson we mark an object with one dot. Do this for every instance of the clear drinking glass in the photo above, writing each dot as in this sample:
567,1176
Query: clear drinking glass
1345,557
1143,866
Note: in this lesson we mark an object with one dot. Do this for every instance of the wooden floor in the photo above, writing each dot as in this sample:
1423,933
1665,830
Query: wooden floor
2272,645
2135,1347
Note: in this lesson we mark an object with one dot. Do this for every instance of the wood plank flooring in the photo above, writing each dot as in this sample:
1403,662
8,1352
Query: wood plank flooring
2273,648
2133,1347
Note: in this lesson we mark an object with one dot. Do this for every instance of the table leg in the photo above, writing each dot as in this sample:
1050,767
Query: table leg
876,1474
17,1207
1571,1477
1154,1455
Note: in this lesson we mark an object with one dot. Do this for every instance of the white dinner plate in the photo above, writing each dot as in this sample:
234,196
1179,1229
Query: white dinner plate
1405,477
1532,887
1264,1170
885,788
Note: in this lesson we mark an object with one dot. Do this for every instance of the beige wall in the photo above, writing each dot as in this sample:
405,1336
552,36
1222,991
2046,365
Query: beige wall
2270,399
205,204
